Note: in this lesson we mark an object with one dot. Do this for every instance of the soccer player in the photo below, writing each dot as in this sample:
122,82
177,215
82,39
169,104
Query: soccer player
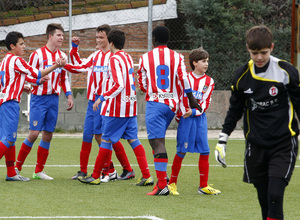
162,76
13,70
120,111
192,128
96,65
44,101
266,91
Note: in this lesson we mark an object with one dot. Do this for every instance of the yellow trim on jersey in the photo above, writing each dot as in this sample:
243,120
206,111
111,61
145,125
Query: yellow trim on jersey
293,133
246,136
251,64
239,80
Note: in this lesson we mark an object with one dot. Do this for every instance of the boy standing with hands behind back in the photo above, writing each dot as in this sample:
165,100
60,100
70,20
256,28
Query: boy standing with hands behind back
266,90
192,128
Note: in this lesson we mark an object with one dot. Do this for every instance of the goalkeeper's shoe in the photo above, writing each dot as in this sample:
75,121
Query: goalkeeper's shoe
159,192
17,178
90,180
145,182
113,176
220,153
78,174
41,175
208,191
173,189
126,175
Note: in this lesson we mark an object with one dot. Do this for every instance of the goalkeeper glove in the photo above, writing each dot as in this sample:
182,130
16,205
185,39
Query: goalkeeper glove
220,151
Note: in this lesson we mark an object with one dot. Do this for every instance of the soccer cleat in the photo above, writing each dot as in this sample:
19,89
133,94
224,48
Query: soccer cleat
173,189
104,178
90,180
126,175
113,176
17,171
17,178
208,191
145,182
41,175
79,173
159,192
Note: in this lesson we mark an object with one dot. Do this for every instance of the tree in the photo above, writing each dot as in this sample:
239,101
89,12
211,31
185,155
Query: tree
219,26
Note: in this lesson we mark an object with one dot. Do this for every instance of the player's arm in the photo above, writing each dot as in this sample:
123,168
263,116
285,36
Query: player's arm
74,53
65,85
35,81
142,76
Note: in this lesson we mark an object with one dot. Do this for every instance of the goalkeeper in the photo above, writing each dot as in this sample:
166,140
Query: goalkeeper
266,91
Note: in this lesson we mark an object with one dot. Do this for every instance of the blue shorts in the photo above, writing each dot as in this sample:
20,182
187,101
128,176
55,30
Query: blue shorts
9,112
158,117
192,135
115,128
43,112
93,120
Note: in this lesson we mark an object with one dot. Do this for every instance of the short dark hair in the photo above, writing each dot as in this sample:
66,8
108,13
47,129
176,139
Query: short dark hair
117,37
196,55
161,34
105,27
259,37
12,38
51,28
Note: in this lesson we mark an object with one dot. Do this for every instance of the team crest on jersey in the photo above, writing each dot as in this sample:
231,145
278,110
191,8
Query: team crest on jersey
205,87
35,123
273,91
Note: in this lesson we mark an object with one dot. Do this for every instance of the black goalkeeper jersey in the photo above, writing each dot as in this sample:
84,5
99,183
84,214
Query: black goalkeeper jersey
268,101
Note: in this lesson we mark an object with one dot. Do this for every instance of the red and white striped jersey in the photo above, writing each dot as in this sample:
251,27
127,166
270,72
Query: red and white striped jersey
13,70
43,58
121,94
97,67
202,87
162,76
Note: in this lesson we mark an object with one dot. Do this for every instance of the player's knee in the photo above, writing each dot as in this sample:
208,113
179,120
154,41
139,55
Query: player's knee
88,138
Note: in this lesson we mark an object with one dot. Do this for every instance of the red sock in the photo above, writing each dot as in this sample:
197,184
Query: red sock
203,166
121,155
23,153
111,167
101,160
84,156
108,168
176,166
10,157
160,165
140,154
42,155
268,218
3,149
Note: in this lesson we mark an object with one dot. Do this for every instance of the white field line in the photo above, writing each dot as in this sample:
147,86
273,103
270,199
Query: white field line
135,165
82,217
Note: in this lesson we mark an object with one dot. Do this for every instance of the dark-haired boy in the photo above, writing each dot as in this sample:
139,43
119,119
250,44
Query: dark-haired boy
192,127
96,66
119,112
13,71
266,91
44,101
162,76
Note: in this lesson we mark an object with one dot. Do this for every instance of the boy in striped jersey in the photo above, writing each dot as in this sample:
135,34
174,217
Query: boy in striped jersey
119,110
192,128
13,71
44,101
96,66
162,76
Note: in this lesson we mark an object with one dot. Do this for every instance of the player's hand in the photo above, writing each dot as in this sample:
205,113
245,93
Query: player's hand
193,102
188,113
44,79
27,89
75,40
61,62
96,104
220,153
70,103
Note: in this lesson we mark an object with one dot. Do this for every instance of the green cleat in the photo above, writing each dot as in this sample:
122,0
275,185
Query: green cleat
90,180
173,189
145,182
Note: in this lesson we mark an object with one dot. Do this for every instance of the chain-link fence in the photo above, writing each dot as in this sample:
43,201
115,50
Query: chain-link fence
219,26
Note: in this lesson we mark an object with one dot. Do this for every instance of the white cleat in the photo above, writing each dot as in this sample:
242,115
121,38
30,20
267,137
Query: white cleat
41,175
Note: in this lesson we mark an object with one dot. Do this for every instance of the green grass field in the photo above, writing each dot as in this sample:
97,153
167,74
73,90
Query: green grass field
70,199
